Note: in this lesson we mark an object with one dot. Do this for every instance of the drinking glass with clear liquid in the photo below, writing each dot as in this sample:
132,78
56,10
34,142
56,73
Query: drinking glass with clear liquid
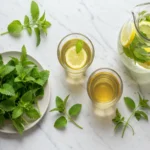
104,89
75,62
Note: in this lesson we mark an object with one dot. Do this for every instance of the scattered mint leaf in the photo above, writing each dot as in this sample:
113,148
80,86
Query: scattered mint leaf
15,27
38,38
75,110
61,108
26,20
17,112
34,11
130,103
141,114
66,100
61,122
59,102
38,24
43,17
79,46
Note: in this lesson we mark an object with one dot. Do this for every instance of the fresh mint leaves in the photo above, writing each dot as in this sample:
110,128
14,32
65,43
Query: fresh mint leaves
79,46
39,24
74,111
136,111
21,85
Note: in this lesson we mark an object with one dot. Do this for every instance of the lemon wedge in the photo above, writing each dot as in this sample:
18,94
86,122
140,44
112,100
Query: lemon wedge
144,27
76,60
127,34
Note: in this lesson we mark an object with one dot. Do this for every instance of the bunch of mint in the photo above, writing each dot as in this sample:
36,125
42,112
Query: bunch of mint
21,85
39,24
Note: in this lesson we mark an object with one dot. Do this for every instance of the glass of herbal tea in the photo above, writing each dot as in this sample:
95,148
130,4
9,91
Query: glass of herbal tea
104,89
75,54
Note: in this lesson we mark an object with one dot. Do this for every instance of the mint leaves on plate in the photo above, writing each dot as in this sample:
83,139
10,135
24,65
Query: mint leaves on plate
21,85
136,110
74,111
39,24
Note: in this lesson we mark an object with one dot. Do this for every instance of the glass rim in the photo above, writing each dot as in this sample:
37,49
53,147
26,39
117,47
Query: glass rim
135,24
121,86
88,64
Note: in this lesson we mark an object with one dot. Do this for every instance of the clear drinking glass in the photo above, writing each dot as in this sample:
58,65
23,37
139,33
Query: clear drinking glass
104,88
134,43
75,64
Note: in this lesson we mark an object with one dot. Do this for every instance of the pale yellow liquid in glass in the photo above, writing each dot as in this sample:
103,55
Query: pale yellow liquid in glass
104,87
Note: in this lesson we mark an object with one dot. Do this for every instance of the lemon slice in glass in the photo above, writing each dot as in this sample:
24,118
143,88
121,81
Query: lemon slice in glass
144,27
76,60
127,34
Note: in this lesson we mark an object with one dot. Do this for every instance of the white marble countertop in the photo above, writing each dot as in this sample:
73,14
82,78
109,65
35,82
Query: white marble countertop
101,21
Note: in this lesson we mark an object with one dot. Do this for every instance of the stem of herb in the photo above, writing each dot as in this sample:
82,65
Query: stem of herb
4,33
127,122
73,121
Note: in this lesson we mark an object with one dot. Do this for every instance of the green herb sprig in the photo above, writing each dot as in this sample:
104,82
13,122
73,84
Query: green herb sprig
39,24
74,111
21,85
79,46
136,111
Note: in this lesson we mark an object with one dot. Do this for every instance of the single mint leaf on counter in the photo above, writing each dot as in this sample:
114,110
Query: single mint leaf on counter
17,112
66,100
59,102
7,89
129,103
7,105
34,11
38,38
141,114
75,110
15,27
26,20
79,46
42,17
61,122
18,124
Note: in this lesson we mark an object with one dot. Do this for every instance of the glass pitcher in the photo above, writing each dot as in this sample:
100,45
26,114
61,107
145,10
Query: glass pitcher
134,43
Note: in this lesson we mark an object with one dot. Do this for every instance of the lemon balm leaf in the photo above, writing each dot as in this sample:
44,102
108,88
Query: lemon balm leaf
15,27
79,46
61,122
75,110
129,103
38,38
26,20
34,11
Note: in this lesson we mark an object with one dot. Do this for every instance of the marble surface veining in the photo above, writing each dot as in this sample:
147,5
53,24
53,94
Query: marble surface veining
101,21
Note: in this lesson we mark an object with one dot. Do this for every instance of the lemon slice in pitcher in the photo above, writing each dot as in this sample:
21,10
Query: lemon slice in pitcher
76,60
144,27
127,34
